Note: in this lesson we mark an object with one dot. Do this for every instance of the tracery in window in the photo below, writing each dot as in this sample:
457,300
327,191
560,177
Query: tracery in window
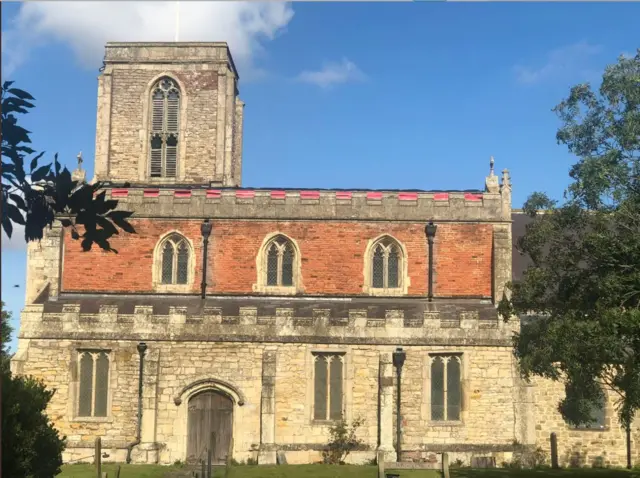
446,387
327,386
165,115
174,260
280,261
386,263
93,384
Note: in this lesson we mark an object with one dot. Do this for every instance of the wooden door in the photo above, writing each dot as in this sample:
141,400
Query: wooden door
209,411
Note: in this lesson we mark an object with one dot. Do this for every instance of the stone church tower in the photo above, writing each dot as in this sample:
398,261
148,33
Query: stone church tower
169,113
263,316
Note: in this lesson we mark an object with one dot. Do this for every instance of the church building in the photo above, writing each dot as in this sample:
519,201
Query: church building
265,315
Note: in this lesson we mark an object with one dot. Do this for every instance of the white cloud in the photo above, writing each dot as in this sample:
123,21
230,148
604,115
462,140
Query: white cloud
562,62
333,73
87,26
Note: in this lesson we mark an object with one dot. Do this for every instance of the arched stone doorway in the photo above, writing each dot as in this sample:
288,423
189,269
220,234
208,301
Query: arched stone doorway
209,412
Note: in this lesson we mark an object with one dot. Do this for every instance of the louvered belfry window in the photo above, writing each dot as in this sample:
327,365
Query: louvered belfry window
446,387
165,113
327,386
93,390
385,265
280,259
175,260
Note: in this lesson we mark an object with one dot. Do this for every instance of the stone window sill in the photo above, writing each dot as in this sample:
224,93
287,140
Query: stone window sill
582,429
173,288
163,180
446,423
324,423
92,420
396,292
276,290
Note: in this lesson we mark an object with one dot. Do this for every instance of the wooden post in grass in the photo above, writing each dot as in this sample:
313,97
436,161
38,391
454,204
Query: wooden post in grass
445,465
118,472
227,468
203,469
380,461
97,459
554,451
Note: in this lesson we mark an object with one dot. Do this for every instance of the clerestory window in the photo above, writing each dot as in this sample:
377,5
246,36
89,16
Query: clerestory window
175,260
386,264
165,119
280,263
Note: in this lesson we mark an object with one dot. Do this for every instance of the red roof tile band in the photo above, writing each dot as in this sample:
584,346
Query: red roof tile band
408,196
309,194
280,194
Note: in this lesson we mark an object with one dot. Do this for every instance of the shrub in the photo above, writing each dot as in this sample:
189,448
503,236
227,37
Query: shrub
31,446
527,458
343,441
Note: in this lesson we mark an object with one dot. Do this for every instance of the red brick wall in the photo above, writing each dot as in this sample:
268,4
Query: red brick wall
332,256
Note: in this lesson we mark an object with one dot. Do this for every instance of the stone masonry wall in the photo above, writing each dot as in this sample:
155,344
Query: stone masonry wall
55,362
130,88
579,446
487,390
332,256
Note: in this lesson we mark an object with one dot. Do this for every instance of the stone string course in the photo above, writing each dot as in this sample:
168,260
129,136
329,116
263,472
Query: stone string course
357,327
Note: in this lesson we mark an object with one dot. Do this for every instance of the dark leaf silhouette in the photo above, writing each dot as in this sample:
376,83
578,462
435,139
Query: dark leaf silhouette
48,193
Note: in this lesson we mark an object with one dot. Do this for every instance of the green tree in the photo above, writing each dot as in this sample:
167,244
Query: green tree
48,193
583,284
31,446
5,331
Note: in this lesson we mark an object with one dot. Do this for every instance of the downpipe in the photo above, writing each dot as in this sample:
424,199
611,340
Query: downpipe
142,347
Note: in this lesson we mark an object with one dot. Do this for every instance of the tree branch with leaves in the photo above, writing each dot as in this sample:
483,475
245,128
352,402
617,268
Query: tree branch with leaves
48,193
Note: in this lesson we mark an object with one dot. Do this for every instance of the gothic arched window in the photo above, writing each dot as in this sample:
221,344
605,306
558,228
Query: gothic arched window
93,392
175,260
386,264
280,262
446,387
165,116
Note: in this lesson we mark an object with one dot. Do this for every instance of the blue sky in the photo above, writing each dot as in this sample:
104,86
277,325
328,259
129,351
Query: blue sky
344,95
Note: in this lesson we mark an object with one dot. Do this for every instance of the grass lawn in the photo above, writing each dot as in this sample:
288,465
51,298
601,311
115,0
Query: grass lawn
267,471
346,471
543,473
127,471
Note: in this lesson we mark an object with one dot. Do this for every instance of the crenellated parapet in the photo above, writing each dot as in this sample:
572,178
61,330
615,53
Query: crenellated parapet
437,323
311,204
